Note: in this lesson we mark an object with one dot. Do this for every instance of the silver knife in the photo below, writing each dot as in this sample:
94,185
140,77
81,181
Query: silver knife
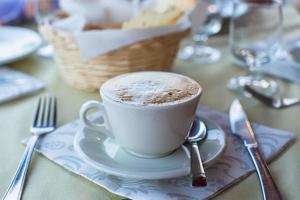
241,127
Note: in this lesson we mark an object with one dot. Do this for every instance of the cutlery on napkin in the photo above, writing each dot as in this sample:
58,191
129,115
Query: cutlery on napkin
241,127
233,166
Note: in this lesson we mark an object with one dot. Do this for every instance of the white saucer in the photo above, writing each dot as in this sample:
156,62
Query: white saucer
16,43
105,155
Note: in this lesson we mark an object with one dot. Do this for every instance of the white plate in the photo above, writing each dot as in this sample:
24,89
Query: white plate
105,155
16,43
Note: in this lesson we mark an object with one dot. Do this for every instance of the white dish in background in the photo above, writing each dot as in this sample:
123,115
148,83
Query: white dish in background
105,155
17,43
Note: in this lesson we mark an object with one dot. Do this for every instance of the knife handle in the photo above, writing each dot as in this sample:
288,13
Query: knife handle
268,186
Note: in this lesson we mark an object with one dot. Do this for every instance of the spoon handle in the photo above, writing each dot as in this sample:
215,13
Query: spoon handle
197,170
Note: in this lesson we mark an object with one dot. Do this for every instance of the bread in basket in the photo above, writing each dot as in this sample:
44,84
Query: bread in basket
154,54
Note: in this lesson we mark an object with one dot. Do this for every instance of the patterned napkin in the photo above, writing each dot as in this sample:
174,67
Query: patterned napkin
234,165
14,84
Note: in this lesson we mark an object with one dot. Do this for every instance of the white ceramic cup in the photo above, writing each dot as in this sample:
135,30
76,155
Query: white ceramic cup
143,130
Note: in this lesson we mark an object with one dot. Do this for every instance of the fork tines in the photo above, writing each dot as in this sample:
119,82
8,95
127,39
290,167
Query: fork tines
45,116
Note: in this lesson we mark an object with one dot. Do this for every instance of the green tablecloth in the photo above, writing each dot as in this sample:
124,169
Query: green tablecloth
49,181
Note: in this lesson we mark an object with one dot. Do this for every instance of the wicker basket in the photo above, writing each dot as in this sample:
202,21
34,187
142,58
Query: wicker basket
155,54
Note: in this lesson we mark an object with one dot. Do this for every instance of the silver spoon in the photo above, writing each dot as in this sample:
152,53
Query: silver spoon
274,102
196,134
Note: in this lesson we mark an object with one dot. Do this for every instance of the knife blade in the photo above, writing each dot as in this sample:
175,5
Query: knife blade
240,124
241,127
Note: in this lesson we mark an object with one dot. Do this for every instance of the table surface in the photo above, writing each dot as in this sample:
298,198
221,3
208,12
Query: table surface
47,180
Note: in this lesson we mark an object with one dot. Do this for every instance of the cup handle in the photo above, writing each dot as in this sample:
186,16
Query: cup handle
86,107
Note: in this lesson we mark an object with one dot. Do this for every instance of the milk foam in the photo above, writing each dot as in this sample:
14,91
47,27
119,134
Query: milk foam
144,88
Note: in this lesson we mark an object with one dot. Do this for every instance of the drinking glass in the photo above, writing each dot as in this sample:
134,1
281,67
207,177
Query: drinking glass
44,12
199,52
138,5
255,40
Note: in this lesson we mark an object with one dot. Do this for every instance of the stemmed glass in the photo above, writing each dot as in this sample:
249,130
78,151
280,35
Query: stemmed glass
44,11
255,40
138,5
199,52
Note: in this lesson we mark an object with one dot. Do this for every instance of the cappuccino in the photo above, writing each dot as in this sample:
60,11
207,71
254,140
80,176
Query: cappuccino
151,88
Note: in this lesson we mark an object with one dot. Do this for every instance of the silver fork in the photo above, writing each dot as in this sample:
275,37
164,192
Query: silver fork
44,122
272,101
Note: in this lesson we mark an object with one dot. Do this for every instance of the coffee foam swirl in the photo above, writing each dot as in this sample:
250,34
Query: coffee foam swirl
150,88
